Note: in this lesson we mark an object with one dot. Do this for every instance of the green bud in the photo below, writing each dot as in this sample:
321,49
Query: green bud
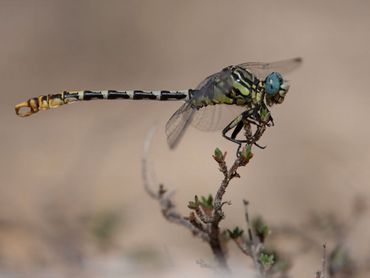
266,259
261,230
235,233
218,153
207,202
246,152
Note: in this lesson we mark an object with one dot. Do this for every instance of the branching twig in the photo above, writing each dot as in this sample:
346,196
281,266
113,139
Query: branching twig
207,213
217,216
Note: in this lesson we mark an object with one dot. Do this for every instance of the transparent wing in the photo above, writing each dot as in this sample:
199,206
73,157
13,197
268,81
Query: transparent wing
178,123
206,119
215,117
209,118
212,117
214,85
261,70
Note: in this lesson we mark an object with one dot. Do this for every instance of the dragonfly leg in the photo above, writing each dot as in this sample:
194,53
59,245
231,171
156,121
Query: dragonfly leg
244,121
237,124
237,129
259,146
253,138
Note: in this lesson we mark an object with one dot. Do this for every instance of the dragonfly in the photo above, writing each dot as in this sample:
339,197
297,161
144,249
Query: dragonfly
234,99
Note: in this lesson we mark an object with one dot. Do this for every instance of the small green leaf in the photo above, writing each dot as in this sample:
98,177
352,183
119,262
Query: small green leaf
248,149
235,233
261,230
219,156
207,202
246,152
218,153
204,199
266,259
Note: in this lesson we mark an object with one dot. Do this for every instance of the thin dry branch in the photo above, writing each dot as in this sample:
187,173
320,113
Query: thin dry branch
218,215
322,273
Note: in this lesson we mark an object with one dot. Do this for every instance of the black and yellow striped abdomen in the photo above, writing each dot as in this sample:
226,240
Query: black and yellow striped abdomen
45,102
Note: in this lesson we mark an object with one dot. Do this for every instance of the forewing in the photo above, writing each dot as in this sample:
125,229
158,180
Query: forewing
214,85
214,88
178,123
261,70
215,117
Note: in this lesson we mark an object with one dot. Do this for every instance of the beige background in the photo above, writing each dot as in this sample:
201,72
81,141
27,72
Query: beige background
60,165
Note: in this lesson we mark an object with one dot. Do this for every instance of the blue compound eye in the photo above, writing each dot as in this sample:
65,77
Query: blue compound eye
272,83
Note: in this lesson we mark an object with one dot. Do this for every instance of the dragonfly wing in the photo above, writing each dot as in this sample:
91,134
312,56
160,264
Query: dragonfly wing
214,85
213,89
210,88
209,80
178,123
215,117
261,70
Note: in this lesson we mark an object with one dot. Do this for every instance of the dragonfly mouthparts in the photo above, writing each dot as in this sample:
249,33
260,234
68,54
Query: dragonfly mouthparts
285,86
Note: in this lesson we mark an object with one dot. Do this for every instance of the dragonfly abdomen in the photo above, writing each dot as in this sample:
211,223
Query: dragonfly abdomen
133,94
45,102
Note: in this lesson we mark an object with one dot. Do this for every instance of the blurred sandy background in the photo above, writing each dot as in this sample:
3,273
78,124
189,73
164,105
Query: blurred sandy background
68,172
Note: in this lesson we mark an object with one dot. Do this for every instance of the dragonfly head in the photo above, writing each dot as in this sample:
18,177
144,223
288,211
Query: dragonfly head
276,88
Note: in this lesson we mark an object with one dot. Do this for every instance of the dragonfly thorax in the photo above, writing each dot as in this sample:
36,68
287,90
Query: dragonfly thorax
246,89
232,86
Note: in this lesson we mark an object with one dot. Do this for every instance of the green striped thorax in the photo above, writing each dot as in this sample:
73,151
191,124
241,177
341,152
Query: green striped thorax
246,86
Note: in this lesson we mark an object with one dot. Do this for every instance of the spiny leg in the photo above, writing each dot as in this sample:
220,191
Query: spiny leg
229,127
237,129
244,121
238,124
235,133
